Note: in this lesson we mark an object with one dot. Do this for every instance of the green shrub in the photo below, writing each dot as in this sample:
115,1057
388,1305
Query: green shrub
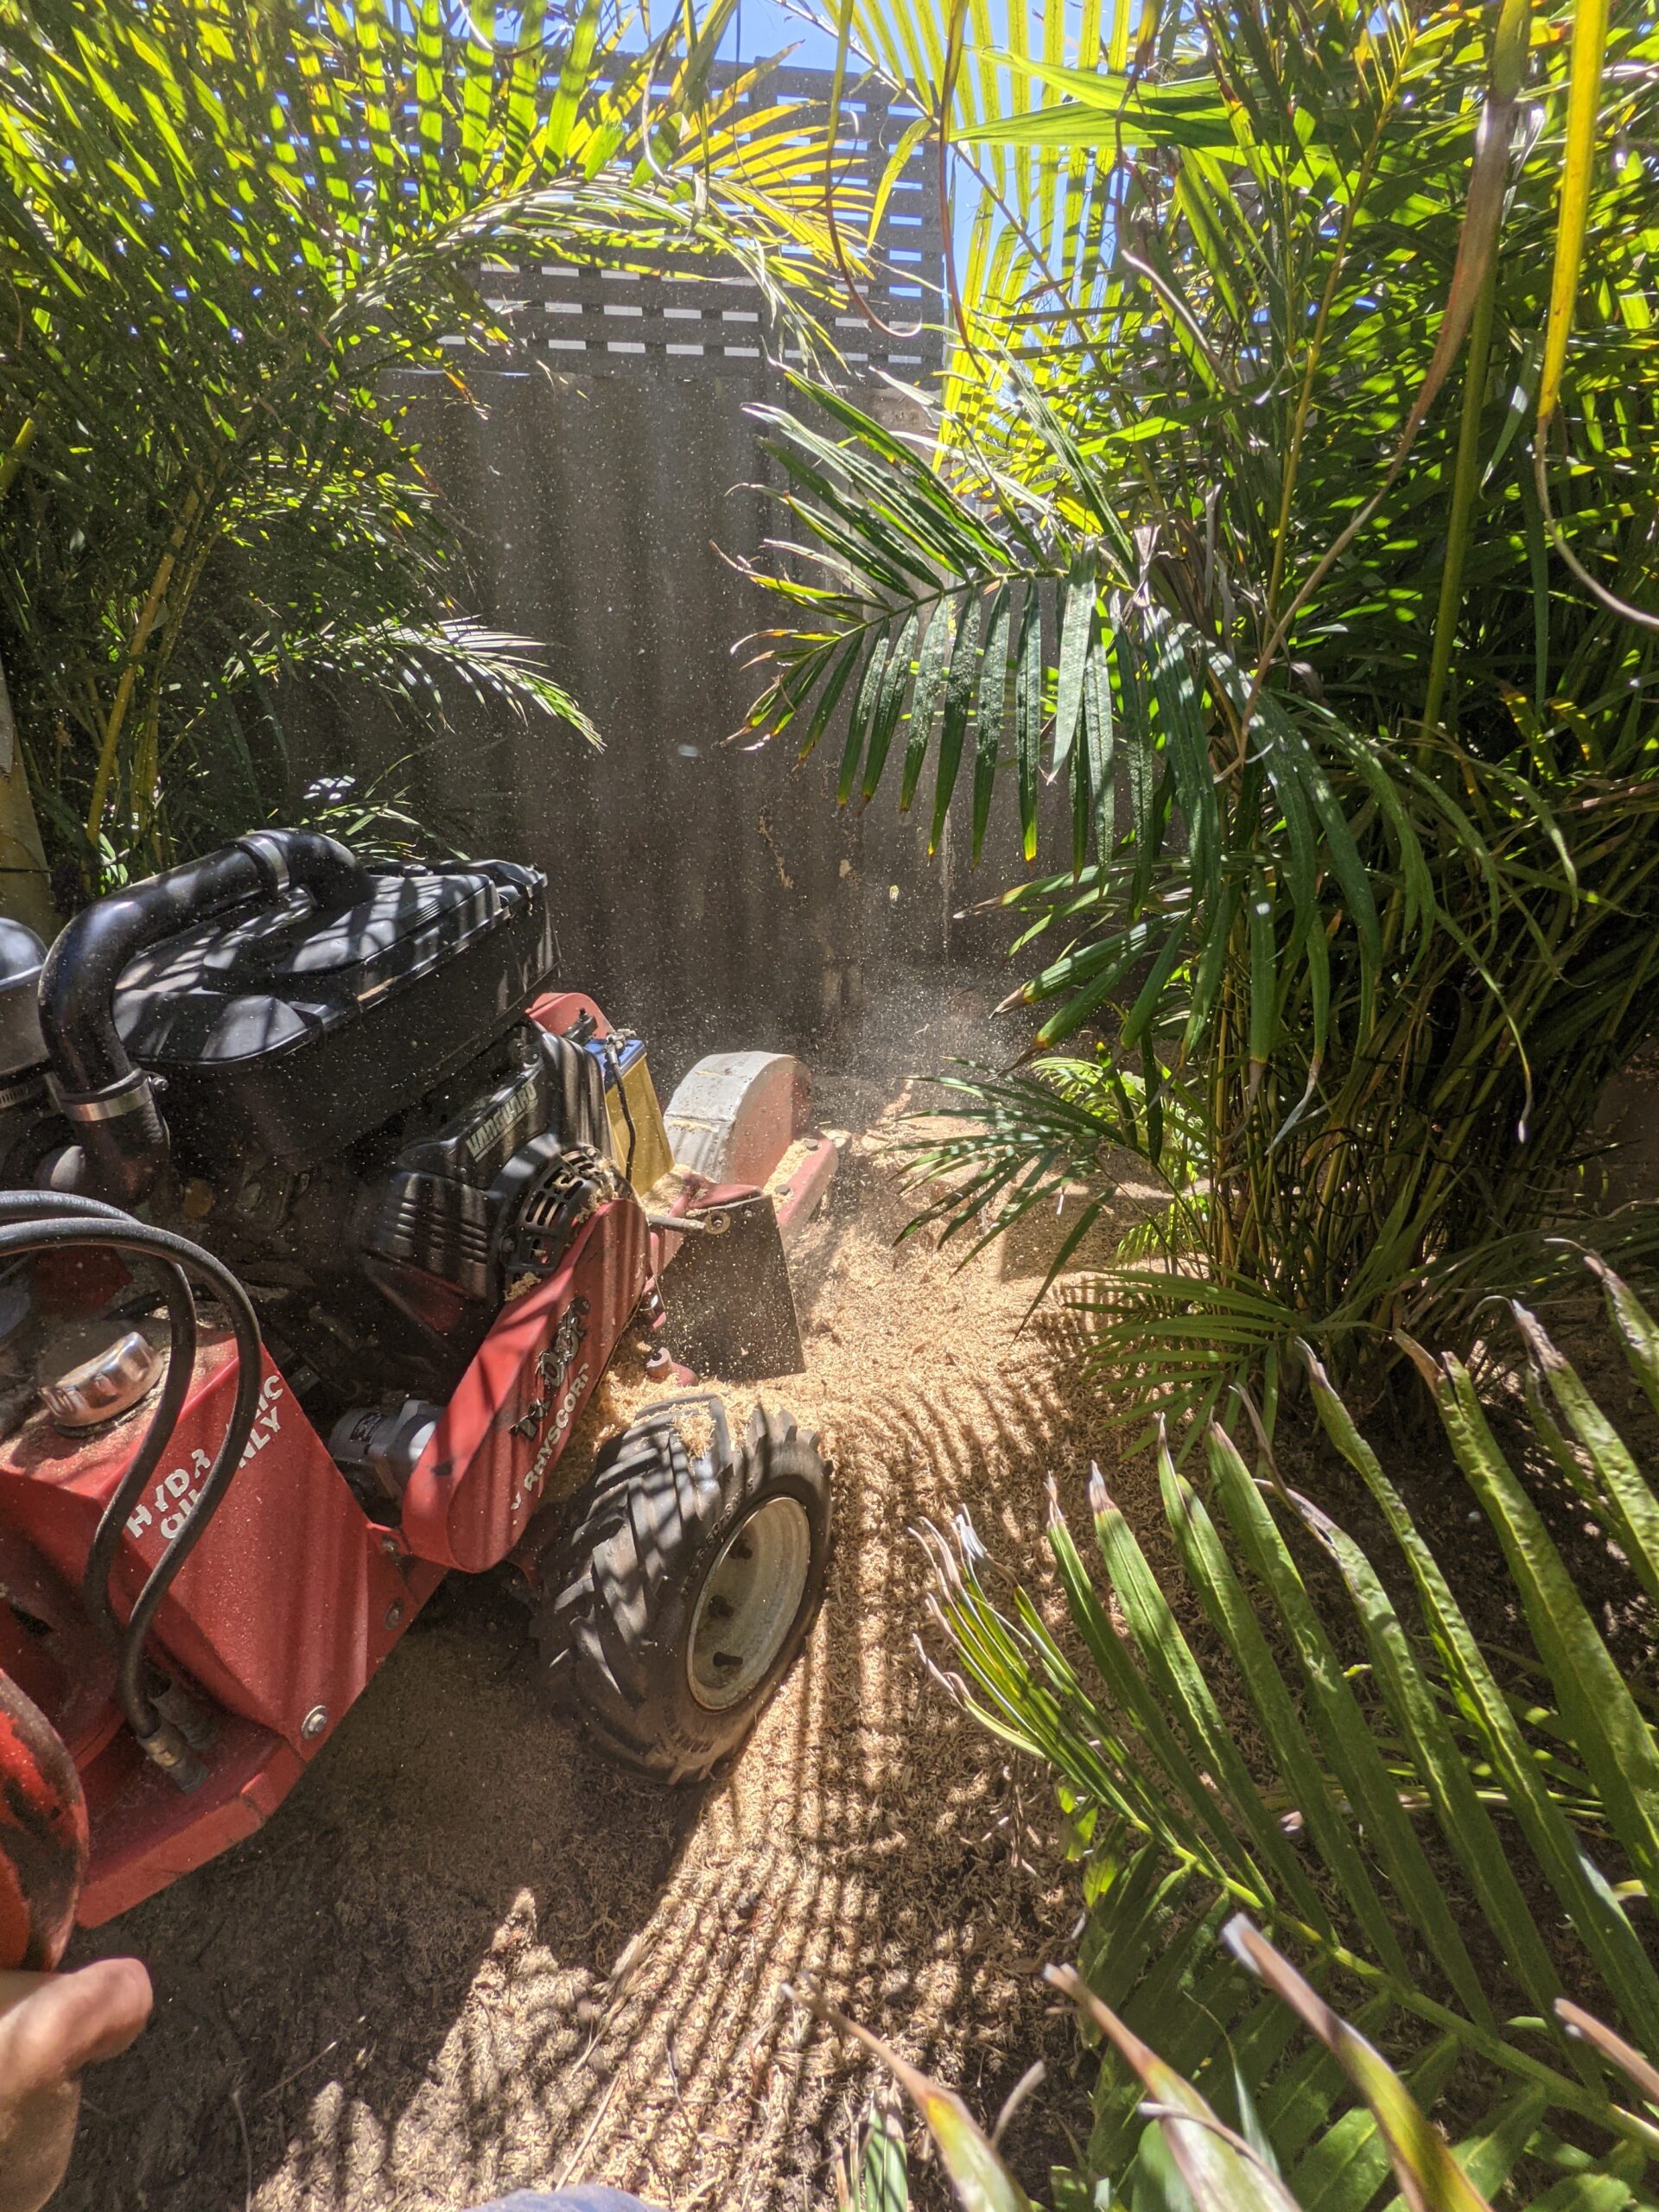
1454,1838
225,230
1232,557
1189,2158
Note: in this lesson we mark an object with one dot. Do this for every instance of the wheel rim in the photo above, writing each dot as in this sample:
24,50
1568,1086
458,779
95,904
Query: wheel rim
749,1603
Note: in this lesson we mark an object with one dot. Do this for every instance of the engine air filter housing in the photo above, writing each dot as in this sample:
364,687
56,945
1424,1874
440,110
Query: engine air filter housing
299,1032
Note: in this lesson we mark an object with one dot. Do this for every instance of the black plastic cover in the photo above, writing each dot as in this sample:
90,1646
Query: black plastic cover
300,1031
22,953
451,1200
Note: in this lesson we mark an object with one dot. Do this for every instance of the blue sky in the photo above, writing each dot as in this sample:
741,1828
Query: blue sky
763,27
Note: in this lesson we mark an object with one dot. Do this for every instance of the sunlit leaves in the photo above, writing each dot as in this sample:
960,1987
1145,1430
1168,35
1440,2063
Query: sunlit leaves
1391,1794
1357,793
223,233
1077,678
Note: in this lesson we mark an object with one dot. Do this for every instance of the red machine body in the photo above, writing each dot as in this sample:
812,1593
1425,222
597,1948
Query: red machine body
296,1593
43,1840
482,1476
275,1093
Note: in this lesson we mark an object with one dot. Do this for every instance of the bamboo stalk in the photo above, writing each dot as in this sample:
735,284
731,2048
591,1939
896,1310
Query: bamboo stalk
25,884
16,455
149,614
1464,483
1316,345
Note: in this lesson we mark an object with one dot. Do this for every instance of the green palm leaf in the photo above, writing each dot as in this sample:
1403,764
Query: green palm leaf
1358,816
1428,1813
221,230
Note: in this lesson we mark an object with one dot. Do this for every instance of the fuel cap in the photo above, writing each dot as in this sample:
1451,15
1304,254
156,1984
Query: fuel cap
109,1382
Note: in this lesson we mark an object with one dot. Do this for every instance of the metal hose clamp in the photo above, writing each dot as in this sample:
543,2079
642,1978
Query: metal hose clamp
134,1094
267,855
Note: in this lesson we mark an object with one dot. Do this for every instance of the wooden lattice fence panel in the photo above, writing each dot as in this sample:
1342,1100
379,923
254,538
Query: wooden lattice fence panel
681,321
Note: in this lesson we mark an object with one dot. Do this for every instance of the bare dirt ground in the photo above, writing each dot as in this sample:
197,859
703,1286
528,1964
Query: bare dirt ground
469,1956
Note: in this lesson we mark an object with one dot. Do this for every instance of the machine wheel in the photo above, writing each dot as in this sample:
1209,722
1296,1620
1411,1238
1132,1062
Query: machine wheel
686,1583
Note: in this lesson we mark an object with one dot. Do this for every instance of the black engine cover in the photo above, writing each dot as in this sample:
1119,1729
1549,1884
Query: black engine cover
299,1034
452,1203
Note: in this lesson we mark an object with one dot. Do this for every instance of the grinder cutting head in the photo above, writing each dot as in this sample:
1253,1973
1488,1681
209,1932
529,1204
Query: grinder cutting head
731,1308
42,1836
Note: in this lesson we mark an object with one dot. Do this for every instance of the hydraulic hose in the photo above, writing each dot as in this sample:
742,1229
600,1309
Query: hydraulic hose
39,1206
123,1143
75,1227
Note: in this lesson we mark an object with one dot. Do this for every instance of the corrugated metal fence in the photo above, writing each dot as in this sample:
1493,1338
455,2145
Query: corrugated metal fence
708,893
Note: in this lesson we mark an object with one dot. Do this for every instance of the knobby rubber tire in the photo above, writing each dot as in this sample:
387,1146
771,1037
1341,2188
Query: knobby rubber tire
642,1535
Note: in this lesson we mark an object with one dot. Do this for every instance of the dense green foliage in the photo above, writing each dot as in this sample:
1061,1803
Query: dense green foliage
1455,1836
224,232
1231,550
1191,2158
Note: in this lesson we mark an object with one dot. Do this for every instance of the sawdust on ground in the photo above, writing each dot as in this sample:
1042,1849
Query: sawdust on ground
468,1955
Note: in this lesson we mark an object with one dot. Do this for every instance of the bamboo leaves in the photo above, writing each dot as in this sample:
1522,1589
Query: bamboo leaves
1220,2166
1079,642
1346,1747
876,2175
1159,2133
982,2182
1029,718
1436,1757
1430,2178
990,710
1079,682
1589,26
1222,2170
1612,1481
1600,1922
1187,364
896,680
932,675
1612,1735
1109,109
953,732
865,707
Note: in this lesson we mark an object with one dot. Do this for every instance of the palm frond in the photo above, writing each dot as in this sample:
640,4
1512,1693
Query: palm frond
423,665
1356,813
1024,1138
1385,1791
222,230
1334,2127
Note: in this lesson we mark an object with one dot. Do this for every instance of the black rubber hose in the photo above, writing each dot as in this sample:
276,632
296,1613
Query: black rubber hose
123,1141
163,1244
24,1205
615,1059
84,964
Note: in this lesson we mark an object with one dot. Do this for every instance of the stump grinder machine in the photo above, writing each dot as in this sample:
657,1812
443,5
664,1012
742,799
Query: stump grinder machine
322,1211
